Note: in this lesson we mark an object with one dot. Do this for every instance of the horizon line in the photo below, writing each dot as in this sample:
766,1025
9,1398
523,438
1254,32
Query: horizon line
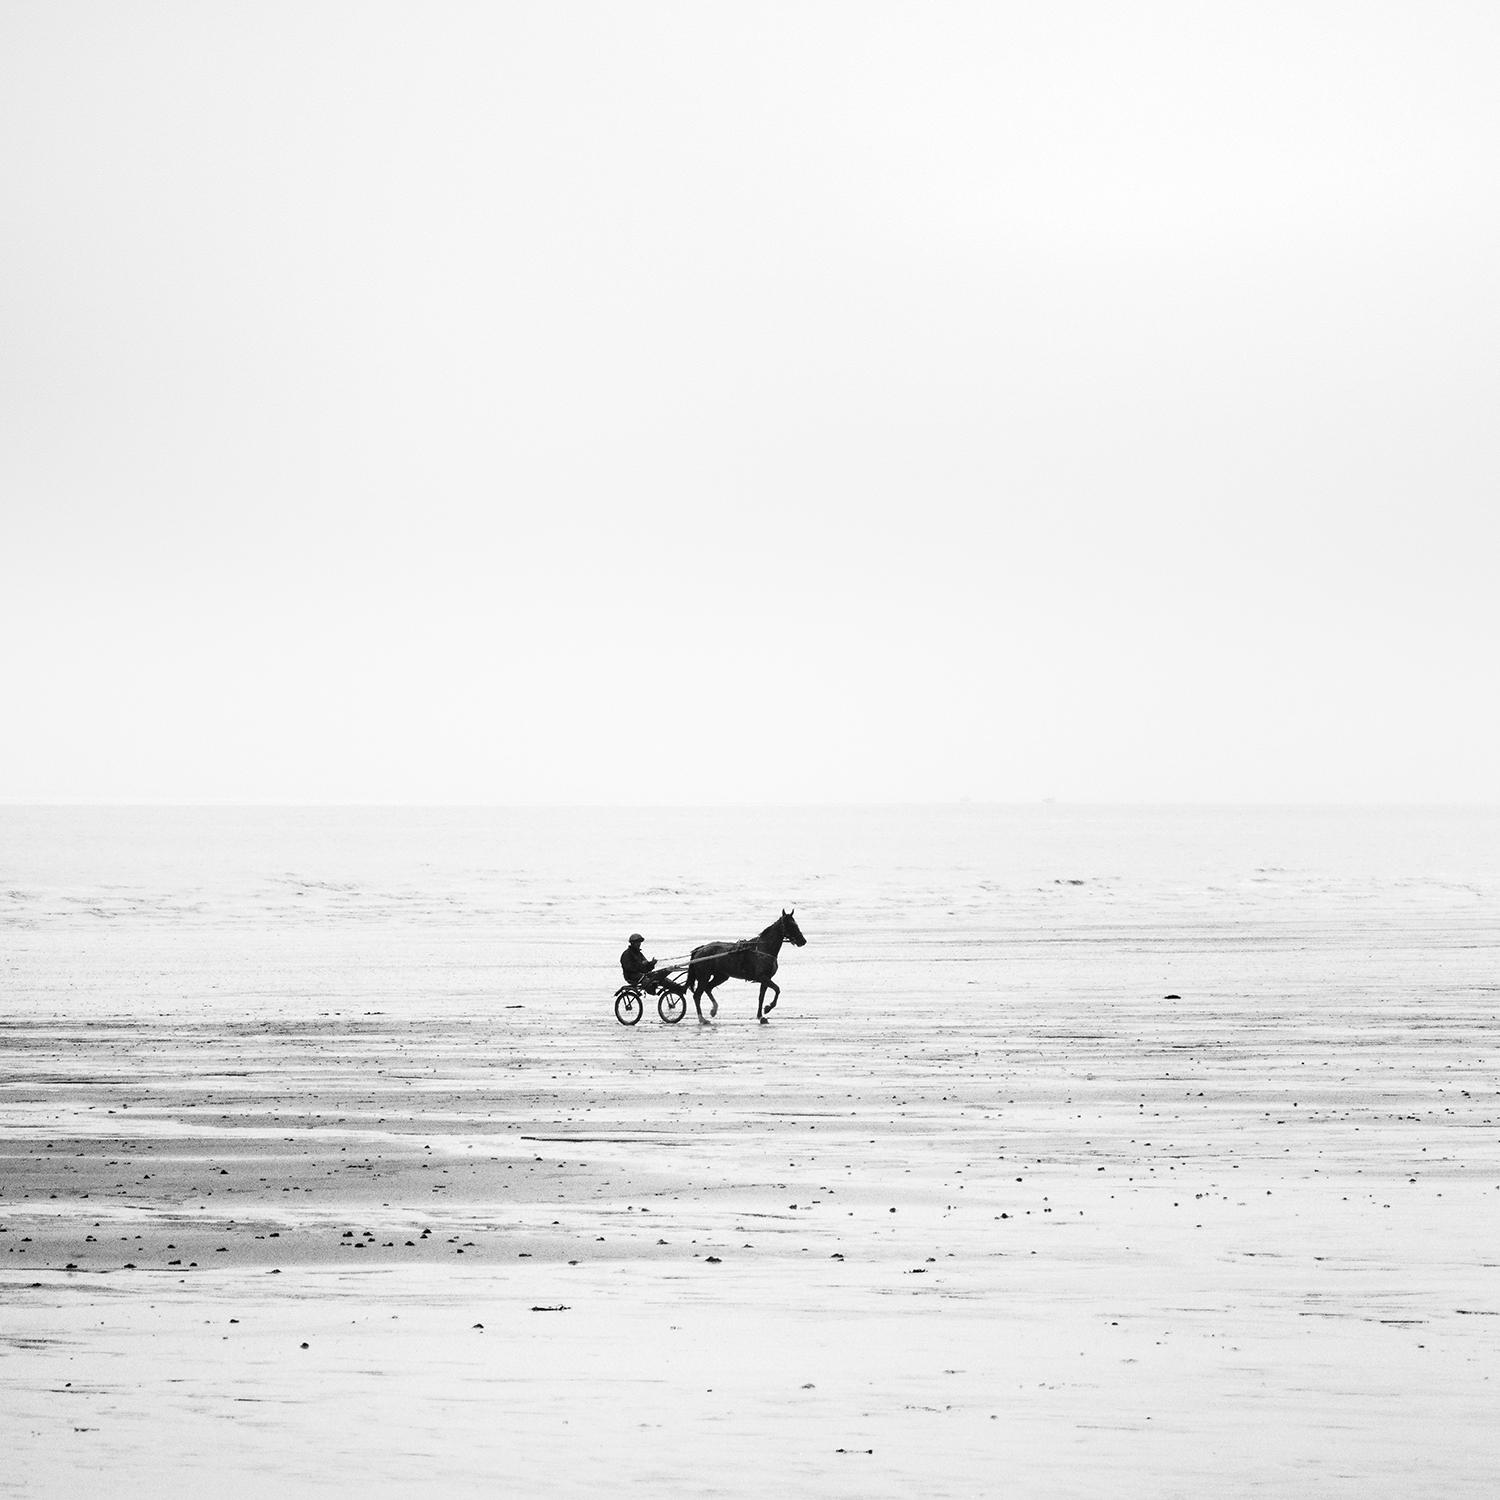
599,806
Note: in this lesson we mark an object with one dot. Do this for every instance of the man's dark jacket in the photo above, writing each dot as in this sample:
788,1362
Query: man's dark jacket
634,965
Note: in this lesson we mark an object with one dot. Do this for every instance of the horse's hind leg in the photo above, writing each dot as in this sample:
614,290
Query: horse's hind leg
713,1003
707,991
704,989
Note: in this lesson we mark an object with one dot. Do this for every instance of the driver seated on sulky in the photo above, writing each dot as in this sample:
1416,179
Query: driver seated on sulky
640,970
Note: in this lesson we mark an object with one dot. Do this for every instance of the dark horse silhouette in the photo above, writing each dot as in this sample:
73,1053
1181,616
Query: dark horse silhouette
755,960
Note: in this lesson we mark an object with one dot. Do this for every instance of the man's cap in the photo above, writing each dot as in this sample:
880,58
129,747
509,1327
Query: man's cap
635,937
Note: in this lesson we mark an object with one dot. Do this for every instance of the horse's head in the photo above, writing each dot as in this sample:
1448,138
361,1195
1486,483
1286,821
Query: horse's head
791,931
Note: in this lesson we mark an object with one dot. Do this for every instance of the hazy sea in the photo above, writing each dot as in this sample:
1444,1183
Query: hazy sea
128,908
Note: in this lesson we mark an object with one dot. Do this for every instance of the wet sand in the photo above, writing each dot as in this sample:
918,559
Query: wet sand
1115,1187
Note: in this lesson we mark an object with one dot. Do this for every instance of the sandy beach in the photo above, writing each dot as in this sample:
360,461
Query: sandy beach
1142,1154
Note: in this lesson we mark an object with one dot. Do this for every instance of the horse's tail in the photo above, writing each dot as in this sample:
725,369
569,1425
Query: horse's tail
697,966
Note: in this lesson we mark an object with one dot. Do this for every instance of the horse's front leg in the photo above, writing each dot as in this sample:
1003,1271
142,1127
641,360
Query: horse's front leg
761,1006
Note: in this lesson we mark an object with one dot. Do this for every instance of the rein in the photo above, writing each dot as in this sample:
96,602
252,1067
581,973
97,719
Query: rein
744,945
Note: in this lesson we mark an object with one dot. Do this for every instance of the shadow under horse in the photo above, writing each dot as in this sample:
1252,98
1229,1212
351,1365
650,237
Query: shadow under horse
755,960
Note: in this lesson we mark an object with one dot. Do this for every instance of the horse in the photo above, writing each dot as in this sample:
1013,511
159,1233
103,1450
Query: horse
712,963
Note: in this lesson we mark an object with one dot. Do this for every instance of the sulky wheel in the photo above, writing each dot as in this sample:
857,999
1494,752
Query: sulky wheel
627,1005
672,1006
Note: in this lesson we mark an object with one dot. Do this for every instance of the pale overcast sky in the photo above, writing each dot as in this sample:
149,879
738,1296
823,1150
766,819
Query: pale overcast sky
704,402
